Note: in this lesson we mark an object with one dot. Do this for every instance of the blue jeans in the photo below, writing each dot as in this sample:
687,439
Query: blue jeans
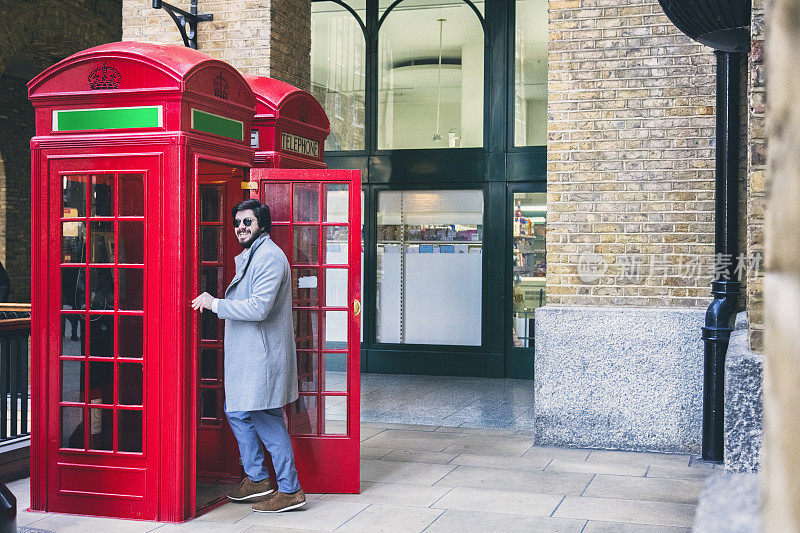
251,428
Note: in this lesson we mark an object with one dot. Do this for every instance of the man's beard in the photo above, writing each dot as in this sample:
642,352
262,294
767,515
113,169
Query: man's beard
249,242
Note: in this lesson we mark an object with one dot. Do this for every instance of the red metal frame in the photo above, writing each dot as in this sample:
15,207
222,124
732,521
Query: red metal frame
157,484
326,463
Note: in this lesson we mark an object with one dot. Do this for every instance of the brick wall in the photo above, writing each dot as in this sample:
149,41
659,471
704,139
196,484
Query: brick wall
756,171
630,157
260,37
34,35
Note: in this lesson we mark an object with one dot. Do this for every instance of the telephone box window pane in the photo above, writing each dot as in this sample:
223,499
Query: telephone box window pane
130,383
336,245
336,372
306,202
131,288
72,427
73,242
338,71
130,338
208,403
336,202
101,429
335,330
73,329
73,288
101,288
210,281
72,381
306,244
210,243
423,103
277,197
303,416
530,73
281,235
335,409
131,242
335,287
101,382
305,283
209,203
101,335
209,363
73,194
307,373
129,428
102,234
131,195
306,329
209,326
102,198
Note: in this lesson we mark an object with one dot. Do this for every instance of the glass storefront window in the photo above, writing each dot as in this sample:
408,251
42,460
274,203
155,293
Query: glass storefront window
429,279
338,71
530,73
529,264
430,82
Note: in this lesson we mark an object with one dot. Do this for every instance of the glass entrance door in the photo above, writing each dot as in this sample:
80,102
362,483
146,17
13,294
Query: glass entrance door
218,469
316,221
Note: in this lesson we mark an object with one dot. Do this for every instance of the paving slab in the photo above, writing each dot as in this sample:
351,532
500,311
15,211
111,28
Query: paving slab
533,462
64,523
516,480
619,527
374,452
315,515
391,518
227,514
552,452
198,526
473,499
492,445
420,456
414,440
619,469
650,489
678,472
634,511
405,473
392,494
642,458
456,521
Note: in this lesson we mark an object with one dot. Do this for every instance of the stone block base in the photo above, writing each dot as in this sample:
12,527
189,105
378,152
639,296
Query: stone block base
619,378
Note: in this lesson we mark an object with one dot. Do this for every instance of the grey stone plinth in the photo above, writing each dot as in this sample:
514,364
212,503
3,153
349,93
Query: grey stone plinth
743,402
623,378
729,502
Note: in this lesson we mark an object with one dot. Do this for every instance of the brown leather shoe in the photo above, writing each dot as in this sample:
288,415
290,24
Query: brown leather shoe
251,491
281,501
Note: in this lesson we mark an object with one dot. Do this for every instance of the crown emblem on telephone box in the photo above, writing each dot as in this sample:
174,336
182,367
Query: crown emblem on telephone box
303,115
104,77
220,87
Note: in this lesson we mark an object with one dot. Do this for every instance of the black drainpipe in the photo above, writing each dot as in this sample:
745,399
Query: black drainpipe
725,26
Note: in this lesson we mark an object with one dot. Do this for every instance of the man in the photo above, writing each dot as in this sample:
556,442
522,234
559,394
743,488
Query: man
260,360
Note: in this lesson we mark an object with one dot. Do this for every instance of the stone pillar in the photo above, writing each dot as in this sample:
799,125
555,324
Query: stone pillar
260,37
781,482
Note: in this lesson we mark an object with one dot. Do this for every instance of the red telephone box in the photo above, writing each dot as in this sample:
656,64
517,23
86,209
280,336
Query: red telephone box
316,220
140,151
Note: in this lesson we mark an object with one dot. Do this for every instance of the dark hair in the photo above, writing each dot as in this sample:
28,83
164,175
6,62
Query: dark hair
261,211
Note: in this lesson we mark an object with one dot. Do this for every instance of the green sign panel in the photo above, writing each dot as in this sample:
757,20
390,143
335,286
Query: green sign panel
109,118
210,123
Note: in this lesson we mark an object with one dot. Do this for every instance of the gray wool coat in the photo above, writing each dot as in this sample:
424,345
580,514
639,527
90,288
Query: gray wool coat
260,358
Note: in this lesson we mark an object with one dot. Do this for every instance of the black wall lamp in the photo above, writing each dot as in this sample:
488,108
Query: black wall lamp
185,20
724,25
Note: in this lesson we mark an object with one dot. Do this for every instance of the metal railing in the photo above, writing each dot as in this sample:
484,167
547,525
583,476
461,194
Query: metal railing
15,332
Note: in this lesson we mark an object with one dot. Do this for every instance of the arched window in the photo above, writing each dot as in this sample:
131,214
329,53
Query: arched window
338,70
430,74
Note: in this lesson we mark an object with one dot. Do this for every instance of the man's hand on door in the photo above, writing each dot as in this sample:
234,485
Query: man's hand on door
203,301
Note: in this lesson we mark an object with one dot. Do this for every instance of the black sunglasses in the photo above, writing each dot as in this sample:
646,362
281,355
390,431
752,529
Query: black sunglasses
246,221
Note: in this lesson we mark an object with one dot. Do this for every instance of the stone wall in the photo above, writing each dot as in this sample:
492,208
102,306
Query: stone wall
756,164
630,155
260,37
34,35
781,467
